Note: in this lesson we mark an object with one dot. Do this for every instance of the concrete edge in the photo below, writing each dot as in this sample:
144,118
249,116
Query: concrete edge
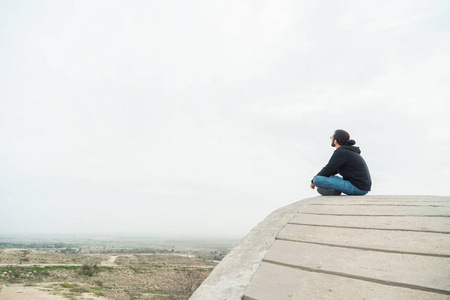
233,274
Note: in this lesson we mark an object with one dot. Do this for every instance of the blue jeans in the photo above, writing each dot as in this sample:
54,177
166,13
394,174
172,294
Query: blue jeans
339,184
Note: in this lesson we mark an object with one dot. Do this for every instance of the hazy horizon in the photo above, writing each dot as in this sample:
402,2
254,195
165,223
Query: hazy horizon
125,235
200,118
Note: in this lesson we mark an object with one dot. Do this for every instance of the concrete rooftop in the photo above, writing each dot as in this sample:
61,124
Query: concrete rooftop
341,247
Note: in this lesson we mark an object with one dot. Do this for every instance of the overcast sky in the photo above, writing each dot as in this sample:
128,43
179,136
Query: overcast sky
199,118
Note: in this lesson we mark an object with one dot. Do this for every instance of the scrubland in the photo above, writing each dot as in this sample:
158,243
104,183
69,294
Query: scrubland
99,273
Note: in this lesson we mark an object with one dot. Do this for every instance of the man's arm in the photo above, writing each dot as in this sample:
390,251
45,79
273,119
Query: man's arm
332,166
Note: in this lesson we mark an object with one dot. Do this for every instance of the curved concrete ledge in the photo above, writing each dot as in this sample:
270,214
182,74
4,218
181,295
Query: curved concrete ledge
341,247
232,275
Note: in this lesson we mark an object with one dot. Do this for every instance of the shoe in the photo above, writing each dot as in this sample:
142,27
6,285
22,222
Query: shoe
327,192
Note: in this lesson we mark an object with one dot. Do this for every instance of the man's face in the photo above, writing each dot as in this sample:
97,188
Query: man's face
332,141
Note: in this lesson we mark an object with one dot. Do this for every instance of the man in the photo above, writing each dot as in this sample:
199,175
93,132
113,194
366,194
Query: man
347,161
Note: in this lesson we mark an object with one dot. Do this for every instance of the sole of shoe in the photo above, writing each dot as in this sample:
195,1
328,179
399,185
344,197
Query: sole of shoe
328,192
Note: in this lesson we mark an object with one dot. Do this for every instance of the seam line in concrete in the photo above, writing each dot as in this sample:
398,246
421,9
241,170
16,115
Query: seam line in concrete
369,279
363,215
369,228
367,249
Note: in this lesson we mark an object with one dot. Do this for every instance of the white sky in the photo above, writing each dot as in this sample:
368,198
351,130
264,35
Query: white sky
199,118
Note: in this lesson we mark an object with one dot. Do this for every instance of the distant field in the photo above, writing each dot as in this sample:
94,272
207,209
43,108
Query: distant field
43,256
115,242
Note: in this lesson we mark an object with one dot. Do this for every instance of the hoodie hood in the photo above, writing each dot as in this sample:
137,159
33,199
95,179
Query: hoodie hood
350,148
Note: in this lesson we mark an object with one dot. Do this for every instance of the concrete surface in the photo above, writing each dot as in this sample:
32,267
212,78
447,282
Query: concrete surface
232,275
341,247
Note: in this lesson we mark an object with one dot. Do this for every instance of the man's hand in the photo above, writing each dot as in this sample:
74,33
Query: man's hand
312,185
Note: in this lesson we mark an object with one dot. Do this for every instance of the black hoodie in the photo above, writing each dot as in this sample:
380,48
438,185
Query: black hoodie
347,161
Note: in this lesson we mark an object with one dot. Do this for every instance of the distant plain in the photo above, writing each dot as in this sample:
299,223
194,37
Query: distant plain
106,267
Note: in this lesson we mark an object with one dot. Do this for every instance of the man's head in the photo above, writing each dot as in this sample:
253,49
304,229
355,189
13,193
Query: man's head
341,137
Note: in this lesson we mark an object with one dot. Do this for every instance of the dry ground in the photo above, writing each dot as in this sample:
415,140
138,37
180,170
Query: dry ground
119,276
40,292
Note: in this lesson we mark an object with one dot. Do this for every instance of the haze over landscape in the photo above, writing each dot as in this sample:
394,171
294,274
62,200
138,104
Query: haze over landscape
199,118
